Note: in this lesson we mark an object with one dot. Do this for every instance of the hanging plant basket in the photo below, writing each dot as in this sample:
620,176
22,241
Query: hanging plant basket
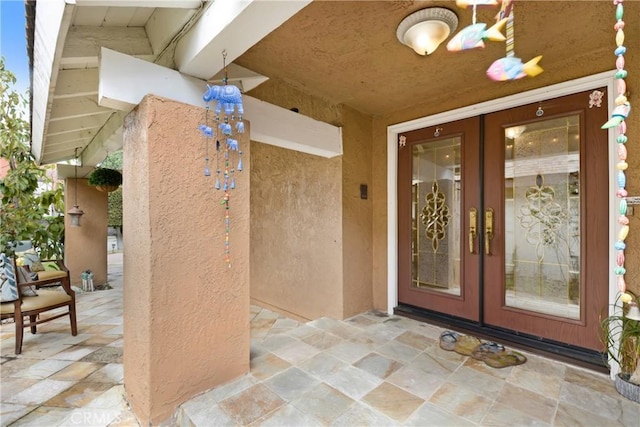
106,180
106,188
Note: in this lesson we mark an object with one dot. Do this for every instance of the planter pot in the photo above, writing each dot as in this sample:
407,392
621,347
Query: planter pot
107,188
629,390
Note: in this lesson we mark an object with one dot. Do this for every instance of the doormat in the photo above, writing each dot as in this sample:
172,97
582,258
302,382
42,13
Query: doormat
491,353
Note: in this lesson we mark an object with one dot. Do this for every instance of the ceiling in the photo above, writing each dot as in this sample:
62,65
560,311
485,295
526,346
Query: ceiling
74,117
348,53
343,52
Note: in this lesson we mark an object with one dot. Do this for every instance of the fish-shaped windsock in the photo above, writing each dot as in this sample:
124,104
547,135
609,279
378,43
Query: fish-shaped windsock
466,3
512,68
619,114
474,35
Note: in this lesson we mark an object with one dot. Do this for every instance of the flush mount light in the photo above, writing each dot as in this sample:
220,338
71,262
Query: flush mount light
424,30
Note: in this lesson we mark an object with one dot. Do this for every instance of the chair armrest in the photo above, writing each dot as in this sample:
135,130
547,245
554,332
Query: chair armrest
65,282
43,282
62,281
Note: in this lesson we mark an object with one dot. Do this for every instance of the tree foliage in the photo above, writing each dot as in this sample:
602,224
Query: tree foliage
115,208
30,198
114,161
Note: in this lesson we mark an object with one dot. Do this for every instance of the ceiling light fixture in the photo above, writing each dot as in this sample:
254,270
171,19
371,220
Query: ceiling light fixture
424,30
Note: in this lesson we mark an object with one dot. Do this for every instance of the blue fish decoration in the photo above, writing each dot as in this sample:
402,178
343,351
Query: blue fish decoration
512,68
473,36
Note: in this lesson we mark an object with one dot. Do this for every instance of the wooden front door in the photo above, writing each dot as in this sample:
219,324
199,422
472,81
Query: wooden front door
503,220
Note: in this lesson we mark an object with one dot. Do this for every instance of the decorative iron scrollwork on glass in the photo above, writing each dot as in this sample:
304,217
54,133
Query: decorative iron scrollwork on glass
541,217
435,216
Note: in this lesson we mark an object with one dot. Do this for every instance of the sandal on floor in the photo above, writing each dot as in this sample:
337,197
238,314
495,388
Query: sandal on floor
504,359
467,344
486,349
448,340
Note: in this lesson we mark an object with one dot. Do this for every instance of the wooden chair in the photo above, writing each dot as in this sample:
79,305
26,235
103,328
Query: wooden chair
32,306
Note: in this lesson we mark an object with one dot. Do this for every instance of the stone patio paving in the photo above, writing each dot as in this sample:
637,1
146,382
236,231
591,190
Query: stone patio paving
370,370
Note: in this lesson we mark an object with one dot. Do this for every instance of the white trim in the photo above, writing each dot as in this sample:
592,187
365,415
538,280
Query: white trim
561,89
232,27
178,4
124,80
392,219
53,19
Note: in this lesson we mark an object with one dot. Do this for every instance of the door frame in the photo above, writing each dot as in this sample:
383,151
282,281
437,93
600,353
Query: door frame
591,82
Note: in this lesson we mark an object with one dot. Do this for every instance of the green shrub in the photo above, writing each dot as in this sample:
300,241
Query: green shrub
107,177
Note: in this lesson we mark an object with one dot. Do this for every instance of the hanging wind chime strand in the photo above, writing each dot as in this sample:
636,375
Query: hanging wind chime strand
618,119
228,103
511,67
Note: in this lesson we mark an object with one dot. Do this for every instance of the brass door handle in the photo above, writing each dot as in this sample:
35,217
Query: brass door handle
488,230
473,227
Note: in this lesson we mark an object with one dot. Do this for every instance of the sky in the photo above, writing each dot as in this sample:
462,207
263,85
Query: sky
13,41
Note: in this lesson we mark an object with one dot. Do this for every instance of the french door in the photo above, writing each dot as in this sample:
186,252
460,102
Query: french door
503,220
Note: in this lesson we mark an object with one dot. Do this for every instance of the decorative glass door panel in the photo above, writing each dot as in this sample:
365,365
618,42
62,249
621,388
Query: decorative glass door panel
522,247
546,180
436,206
542,216
438,262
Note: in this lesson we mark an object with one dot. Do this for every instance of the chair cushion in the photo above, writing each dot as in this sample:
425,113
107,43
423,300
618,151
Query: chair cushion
44,299
25,276
51,274
8,283
30,258
50,266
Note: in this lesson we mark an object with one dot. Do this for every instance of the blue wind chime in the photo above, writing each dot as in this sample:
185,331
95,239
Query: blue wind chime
223,128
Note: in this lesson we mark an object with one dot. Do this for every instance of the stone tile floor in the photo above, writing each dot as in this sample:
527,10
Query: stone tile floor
369,370
60,379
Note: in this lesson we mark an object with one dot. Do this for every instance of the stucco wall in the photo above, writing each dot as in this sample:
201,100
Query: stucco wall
186,313
296,196
379,214
279,93
85,247
356,213
296,232
283,95
633,172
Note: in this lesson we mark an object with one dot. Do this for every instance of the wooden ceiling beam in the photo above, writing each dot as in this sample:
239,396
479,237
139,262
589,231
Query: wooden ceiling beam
179,4
73,124
107,140
164,24
83,44
125,80
232,26
68,108
72,83
63,138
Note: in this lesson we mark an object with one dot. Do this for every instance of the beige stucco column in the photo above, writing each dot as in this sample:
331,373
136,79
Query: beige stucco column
186,313
85,247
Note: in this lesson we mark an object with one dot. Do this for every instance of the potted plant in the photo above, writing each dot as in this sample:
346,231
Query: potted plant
105,179
621,333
